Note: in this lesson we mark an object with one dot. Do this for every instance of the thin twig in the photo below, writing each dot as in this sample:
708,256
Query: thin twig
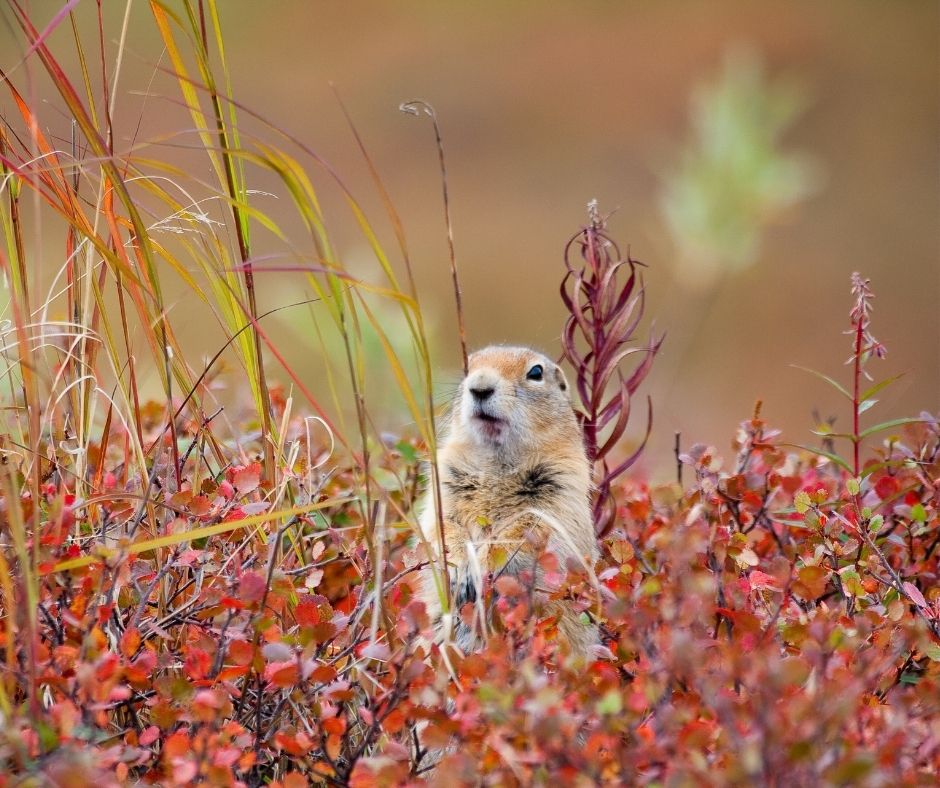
416,107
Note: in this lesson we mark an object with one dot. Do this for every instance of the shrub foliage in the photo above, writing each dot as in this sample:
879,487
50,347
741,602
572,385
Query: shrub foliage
777,617
183,602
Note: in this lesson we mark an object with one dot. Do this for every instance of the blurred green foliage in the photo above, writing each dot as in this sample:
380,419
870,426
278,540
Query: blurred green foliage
733,178
324,347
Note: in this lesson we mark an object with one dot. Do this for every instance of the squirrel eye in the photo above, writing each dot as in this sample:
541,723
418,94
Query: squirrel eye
535,373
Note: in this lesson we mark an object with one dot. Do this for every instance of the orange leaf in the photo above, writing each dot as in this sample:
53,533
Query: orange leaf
177,745
394,722
334,725
283,674
227,674
323,673
240,652
130,642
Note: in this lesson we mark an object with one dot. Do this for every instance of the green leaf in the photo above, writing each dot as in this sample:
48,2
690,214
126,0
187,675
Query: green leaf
880,385
610,703
801,502
822,453
868,470
918,513
47,736
835,384
386,479
887,425
825,431
865,405
852,486
874,525
407,451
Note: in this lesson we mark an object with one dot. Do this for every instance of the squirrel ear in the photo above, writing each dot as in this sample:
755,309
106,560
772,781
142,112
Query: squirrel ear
560,378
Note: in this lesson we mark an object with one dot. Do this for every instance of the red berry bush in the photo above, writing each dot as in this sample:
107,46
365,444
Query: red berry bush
778,619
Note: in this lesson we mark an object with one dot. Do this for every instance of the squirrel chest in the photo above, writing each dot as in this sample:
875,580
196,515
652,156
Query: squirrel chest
481,501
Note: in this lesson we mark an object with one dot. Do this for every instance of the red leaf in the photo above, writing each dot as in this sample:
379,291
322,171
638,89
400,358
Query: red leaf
762,580
887,486
197,663
307,613
106,667
914,593
252,586
247,479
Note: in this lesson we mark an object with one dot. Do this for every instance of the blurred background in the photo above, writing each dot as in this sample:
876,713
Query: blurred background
754,155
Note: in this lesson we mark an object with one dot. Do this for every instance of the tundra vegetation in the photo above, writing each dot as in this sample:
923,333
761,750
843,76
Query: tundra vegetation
188,594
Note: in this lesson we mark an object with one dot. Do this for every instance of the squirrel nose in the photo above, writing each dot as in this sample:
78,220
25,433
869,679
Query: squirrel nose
481,392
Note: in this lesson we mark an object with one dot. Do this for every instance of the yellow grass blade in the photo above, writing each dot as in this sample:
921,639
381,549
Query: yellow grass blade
202,532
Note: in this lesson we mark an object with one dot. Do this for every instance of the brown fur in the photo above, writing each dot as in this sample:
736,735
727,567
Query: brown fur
514,481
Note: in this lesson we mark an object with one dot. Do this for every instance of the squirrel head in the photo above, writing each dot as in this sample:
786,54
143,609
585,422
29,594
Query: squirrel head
514,399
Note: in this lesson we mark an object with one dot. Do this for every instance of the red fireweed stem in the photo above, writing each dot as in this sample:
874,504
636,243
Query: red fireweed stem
856,440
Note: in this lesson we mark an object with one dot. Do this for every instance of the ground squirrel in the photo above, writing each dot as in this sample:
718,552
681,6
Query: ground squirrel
515,481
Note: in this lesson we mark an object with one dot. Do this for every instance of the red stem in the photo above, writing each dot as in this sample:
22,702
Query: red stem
859,334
